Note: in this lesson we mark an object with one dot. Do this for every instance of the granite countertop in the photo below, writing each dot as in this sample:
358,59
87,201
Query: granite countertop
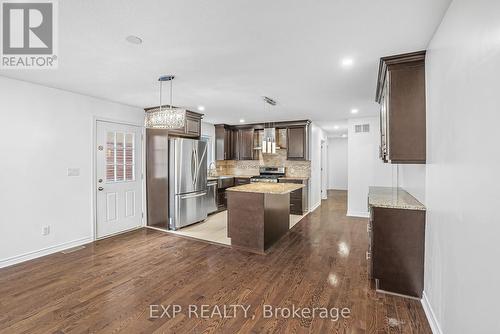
394,198
267,188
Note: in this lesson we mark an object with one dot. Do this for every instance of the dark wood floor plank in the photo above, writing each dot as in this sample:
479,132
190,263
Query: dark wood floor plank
108,286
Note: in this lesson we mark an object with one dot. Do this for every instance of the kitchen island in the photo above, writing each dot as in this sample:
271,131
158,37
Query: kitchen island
258,214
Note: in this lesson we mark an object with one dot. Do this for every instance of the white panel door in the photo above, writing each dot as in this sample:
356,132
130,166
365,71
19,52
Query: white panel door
118,173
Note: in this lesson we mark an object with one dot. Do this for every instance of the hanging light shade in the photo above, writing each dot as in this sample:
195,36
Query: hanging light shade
269,141
165,118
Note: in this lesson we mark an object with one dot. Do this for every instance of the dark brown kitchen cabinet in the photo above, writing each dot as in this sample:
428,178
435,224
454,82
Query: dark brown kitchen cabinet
223,142
191,128
299,197
222,185
244,142
396,250
297,143
401,95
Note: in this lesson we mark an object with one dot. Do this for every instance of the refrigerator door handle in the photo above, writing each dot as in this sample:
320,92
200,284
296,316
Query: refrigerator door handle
193,166
198,163
194,196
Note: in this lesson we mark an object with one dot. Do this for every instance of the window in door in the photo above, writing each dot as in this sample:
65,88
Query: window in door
120,157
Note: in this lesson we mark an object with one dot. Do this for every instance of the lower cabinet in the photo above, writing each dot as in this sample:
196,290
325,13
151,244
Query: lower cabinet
222,185
396,250
298,198
221,199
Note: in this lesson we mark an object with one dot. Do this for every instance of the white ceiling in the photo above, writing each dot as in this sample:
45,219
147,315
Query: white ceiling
226,54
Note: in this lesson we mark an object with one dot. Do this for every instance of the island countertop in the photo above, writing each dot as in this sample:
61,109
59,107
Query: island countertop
267,188
395,198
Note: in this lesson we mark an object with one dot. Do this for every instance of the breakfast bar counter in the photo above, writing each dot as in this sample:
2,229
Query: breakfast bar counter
258,214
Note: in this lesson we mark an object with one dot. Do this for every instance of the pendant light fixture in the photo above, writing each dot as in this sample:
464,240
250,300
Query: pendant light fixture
269,141
169,118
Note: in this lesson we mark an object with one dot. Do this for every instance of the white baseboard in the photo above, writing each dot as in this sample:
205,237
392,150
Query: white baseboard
431,317
42,252
358,214
315,206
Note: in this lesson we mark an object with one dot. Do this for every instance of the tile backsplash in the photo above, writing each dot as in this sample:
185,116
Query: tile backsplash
251,167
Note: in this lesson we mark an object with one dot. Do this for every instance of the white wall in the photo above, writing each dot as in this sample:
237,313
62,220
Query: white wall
365,168
316,136
462,178
44,131
337,163
412,179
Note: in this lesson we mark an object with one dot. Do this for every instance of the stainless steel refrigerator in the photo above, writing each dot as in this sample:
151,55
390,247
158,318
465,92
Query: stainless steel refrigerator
187,182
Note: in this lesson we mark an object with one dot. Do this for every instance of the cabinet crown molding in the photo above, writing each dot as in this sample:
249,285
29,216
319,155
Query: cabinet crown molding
387,62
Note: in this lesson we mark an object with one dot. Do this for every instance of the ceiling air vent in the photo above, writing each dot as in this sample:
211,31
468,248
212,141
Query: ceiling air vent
359,128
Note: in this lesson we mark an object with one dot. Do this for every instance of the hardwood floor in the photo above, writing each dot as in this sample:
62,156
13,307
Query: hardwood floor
110,285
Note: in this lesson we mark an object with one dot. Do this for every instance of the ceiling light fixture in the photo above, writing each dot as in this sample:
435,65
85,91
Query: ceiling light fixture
134,39
344,135
347,62
269,140
171,118
242,120
354,111
336,127
201,108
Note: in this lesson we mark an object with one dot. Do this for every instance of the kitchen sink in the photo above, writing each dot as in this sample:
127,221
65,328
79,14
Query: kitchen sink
223,181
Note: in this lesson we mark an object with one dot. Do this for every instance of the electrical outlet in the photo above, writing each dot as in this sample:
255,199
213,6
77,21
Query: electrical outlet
46,230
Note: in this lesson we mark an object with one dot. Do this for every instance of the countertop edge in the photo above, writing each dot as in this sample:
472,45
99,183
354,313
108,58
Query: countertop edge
383,191
242,190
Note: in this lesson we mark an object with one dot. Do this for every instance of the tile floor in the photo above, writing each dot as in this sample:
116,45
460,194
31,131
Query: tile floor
214,228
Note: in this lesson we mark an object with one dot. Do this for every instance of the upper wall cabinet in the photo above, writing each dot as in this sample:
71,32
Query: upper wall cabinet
223,142
401,95
192,126
297,142
242,142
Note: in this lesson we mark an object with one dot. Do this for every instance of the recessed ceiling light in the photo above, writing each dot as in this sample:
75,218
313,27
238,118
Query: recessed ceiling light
242,120
336,127
347,62
354,111
201,108
344,135
134,39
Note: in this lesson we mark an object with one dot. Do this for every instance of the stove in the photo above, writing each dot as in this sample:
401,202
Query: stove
268,174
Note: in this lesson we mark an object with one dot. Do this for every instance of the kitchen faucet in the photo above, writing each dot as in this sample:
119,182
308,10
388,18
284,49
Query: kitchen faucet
212,170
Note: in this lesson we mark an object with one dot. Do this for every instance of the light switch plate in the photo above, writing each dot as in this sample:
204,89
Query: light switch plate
73,171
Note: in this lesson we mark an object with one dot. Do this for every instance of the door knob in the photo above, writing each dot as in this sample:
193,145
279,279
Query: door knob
100,188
